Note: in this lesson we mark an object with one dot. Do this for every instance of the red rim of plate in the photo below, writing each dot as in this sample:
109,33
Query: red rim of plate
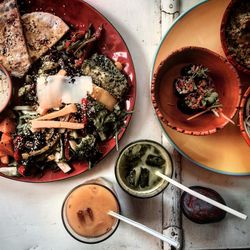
81,166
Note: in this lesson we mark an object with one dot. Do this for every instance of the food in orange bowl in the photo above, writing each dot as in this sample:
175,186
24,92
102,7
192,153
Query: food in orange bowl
221,85
244,116
235,34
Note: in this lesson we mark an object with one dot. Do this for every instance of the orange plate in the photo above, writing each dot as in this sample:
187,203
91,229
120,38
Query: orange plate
225,151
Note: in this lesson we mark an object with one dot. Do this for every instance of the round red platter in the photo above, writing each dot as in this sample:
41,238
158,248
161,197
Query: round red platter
79,14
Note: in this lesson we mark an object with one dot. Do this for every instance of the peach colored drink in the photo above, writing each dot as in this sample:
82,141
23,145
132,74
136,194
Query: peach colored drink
86,210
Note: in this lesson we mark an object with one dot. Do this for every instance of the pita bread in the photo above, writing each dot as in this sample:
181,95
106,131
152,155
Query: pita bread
13,51
42,30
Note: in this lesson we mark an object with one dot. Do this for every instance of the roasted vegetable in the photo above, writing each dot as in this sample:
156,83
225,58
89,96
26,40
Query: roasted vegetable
106,75
27,94
105,123
87,150
49,145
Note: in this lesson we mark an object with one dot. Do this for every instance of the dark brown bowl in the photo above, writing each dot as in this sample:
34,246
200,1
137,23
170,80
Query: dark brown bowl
229,12
226,81
242,116
2,107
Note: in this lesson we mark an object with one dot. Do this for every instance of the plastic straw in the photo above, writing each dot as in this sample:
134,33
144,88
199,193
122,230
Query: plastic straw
202,197
145,229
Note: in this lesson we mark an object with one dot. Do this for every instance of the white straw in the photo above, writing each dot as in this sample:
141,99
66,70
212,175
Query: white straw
202,197
145,229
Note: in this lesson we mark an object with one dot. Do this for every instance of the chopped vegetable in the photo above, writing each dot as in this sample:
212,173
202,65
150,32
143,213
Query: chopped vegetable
5,159
71,108
104,97
50,145
56,124
7,125
87,149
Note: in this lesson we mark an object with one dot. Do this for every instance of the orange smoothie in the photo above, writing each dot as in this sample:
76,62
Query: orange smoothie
86,210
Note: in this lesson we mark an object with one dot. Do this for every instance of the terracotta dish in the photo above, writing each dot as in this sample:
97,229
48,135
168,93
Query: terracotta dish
240,31
225,79
242,116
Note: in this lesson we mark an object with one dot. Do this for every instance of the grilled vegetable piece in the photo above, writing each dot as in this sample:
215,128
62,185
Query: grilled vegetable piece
41,151
7,125
104,122
106,75
101,95
86,149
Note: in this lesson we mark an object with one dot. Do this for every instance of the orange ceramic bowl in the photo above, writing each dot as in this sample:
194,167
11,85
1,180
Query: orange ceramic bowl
5,88
229,13
164,99
242,115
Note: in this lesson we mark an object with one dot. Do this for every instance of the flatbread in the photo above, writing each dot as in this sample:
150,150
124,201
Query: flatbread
42,30
13,51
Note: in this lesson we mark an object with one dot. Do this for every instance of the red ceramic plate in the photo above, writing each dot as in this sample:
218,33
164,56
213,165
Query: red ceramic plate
80,15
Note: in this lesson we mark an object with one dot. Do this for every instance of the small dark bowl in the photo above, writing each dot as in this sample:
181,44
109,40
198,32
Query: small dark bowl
233,5
242,114
164,99
2,107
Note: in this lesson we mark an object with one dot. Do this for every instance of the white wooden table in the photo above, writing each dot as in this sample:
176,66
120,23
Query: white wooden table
30,216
